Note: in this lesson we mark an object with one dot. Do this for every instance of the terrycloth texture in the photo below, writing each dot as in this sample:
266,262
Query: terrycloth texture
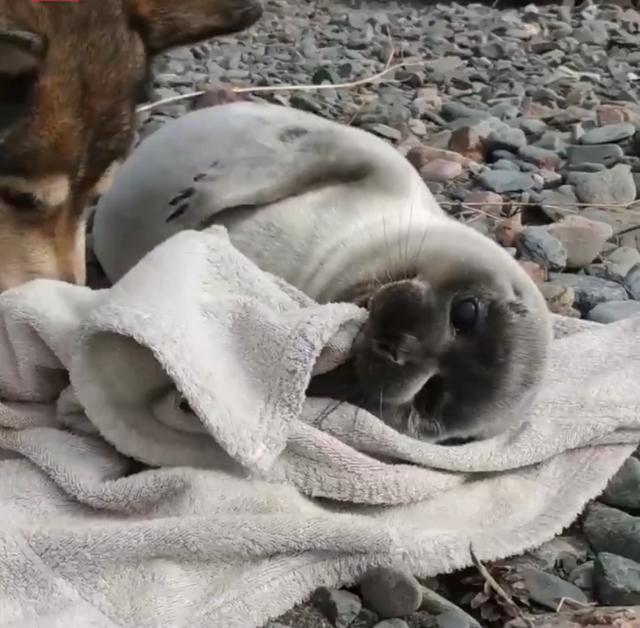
241,539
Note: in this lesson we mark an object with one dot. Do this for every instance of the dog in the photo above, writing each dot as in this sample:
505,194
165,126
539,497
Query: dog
71,75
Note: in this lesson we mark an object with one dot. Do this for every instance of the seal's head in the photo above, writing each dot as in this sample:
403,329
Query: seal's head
454,346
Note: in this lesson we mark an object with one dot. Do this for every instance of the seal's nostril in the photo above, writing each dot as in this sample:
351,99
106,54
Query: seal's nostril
386,349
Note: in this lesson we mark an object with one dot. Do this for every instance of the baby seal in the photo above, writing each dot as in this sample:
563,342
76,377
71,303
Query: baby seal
457,336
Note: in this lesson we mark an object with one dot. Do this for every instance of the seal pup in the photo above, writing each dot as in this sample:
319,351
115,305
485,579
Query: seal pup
457,335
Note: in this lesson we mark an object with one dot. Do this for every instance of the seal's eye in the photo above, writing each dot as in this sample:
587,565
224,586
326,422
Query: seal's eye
465,315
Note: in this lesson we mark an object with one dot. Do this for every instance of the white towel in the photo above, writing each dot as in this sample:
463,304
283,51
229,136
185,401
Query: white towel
261,495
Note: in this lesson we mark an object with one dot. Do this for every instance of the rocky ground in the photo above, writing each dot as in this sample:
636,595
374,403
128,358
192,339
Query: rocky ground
524,122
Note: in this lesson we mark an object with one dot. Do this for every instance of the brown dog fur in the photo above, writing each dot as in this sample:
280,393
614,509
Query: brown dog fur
71,74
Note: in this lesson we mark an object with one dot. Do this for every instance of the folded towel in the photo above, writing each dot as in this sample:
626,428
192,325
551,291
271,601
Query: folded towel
196,362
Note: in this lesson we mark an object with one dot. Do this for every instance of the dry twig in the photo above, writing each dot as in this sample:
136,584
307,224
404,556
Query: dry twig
375,78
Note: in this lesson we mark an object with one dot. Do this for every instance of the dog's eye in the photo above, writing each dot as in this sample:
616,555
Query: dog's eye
22,201
465,315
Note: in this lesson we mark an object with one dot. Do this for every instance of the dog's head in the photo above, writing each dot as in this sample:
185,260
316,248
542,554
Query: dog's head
71,74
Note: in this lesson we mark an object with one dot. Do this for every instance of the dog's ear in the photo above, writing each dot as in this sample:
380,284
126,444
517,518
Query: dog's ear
21,52
164,24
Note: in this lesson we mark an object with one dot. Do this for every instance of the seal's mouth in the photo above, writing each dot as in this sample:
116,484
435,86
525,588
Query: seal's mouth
429,401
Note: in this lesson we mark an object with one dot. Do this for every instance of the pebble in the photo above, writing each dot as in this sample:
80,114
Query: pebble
547,589
608,187
632,281
485,201
583,239
560,299
582,576
445,613
392,623
589,291
620,261
366,619
441,170
541,157
502,181
538,245
605,154
390,593
508,230
340,607
468,143
623,490
564,552
421,155
616,580
609,133
613,311
611,530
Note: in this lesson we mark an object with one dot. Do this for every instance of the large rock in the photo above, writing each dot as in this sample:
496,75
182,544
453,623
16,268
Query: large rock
611,530
589,291
609,187
612,311
547,589
616,580
609,133
606,154
502,181
340,607
539,245
390,593
583,239
623,490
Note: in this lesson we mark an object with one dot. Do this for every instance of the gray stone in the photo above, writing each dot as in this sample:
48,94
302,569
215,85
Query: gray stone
390,593
421,619
609,133
392,623
445,613
606,154
616,580
455,110
620,261
340,607
538,245
582,576
611,530
366,619
562,552
582,238
612,311
531,126
383,130
623,490
589,291
505,164
632,281
541,157
609,187
504,136
502,181
547,589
